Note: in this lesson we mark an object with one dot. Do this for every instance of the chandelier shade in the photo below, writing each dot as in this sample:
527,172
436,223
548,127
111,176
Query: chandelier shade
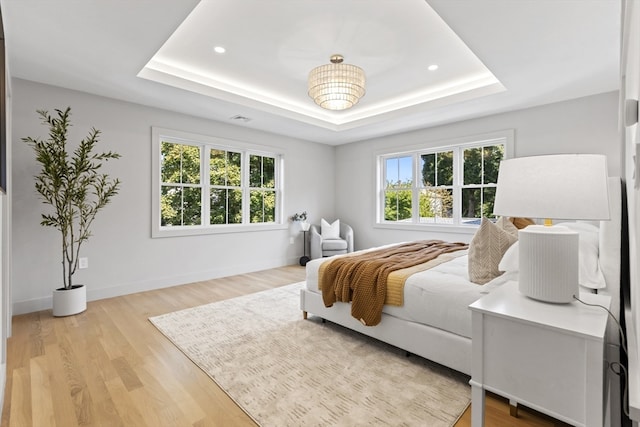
336,86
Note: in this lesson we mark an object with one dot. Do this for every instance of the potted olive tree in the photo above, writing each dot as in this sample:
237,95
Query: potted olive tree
72,184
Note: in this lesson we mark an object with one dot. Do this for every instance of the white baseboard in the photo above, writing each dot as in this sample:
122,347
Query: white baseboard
45,303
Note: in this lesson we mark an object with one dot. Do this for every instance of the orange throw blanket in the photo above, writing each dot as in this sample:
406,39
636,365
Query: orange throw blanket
362,279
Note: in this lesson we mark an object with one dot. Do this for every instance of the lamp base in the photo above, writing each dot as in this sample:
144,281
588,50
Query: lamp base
548,258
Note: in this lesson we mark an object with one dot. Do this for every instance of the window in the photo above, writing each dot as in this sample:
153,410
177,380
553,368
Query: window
453,184
205,186
225,193
435,189
262,189
180,185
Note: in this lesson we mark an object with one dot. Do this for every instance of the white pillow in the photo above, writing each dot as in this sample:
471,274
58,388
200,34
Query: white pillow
589,272
330,231
510,261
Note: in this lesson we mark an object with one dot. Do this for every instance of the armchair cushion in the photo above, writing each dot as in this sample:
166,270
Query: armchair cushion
330,231
334,245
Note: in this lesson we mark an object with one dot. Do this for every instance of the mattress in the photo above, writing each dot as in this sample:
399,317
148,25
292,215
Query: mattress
438,297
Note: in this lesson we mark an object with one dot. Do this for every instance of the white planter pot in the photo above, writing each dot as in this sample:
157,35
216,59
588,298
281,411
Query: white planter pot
67,302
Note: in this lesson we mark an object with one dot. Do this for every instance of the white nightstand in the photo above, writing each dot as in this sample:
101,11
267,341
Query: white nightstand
549,357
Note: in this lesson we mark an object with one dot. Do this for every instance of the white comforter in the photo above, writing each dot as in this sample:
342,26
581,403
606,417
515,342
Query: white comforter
437,297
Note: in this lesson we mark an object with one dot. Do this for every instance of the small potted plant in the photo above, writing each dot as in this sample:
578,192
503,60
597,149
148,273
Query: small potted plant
71,183
304,226
302,218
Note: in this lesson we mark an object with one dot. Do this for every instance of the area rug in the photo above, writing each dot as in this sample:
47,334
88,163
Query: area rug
286,371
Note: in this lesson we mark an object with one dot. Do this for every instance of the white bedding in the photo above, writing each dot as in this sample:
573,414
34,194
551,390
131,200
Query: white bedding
437,297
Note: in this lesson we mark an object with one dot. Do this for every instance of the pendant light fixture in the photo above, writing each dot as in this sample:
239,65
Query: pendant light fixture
336,86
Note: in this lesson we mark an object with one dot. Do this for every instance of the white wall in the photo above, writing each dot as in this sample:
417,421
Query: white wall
123,258
5,247
630,71
585,125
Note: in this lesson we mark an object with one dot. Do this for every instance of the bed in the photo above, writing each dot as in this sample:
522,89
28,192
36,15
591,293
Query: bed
435,323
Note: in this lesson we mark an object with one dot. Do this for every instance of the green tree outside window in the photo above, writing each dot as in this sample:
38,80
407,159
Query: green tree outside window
262,188
180,200
457,184
398,193
436,198
182,192
481,165
225,177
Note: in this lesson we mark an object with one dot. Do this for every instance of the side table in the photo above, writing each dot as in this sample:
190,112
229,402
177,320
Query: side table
549,357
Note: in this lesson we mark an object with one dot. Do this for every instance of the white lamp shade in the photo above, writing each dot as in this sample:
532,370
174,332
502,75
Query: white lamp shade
563,186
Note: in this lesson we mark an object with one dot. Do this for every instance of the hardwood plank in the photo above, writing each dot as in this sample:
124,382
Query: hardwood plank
41,393
127,374
497,414
77,386
21,399
110,367
177,387
156,406
125,406
64,410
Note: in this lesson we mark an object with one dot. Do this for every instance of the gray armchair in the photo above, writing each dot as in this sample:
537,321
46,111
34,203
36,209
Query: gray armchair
327,247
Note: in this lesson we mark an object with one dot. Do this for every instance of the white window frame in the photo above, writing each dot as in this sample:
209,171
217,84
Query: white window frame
207,143
457,145
243,181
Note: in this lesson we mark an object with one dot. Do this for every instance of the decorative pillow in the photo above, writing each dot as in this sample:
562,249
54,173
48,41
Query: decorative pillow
330,231
521,223
505,224
487,247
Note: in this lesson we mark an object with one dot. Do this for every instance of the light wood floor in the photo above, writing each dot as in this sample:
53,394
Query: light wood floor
110,367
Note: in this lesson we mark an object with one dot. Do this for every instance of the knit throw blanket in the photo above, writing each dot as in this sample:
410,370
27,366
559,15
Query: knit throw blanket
362,279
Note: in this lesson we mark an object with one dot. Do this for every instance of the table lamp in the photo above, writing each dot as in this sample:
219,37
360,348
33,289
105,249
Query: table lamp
563,186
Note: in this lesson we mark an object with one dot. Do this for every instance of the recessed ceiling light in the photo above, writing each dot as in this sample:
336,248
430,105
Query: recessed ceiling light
432,67
240,118
219,49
